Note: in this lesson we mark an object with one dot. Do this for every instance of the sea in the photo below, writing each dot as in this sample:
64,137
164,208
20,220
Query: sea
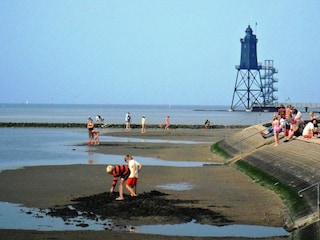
115,114
23,147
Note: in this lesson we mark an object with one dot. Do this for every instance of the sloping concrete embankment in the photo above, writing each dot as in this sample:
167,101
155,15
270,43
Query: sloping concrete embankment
296,163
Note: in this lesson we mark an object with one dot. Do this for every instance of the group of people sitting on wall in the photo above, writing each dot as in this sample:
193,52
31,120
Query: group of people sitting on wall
289,120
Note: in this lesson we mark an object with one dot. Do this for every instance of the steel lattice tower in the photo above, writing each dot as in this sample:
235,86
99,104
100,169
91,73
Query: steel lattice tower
248,89
268,80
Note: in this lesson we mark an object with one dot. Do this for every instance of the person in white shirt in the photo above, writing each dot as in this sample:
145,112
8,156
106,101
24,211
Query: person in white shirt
143,124
128,121
134,168
309,130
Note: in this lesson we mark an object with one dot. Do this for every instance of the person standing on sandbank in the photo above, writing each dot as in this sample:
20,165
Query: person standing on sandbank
90,127
128,121
143,124
167,123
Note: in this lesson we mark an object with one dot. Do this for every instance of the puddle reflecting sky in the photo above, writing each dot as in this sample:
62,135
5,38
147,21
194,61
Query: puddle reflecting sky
203,230
13,216
181,186
44,146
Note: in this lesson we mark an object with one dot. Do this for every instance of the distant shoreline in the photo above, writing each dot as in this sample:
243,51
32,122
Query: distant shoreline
103,125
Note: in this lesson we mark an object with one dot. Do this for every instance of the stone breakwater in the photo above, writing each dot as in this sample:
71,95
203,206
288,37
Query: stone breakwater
103,125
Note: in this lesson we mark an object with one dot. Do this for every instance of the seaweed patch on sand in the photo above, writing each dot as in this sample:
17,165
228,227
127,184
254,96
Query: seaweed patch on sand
147,208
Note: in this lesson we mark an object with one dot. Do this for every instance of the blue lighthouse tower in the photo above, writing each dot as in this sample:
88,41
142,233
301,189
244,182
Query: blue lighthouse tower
248,89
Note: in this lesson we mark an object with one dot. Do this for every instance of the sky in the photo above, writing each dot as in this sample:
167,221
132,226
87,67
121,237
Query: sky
177,52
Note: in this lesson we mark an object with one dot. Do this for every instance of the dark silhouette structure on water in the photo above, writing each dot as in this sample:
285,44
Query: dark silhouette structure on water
252,90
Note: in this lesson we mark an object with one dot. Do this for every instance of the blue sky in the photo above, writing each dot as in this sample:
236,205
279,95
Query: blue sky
152,52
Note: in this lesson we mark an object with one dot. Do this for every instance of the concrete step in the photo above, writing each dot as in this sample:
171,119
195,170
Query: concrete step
302,222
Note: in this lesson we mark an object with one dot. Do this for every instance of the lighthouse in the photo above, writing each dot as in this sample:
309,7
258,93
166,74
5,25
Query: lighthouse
248,89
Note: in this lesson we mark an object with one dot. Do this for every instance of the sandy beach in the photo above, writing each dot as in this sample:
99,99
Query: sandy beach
219,188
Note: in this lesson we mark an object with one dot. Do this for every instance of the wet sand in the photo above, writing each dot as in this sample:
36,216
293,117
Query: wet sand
219,188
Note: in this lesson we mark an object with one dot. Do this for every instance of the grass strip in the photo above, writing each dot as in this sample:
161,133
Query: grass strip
215,148
288,195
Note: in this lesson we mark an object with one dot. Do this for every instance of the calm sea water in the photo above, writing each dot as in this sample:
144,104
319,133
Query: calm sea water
155,114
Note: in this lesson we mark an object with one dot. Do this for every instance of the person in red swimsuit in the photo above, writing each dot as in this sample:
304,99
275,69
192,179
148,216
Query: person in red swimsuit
134,167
